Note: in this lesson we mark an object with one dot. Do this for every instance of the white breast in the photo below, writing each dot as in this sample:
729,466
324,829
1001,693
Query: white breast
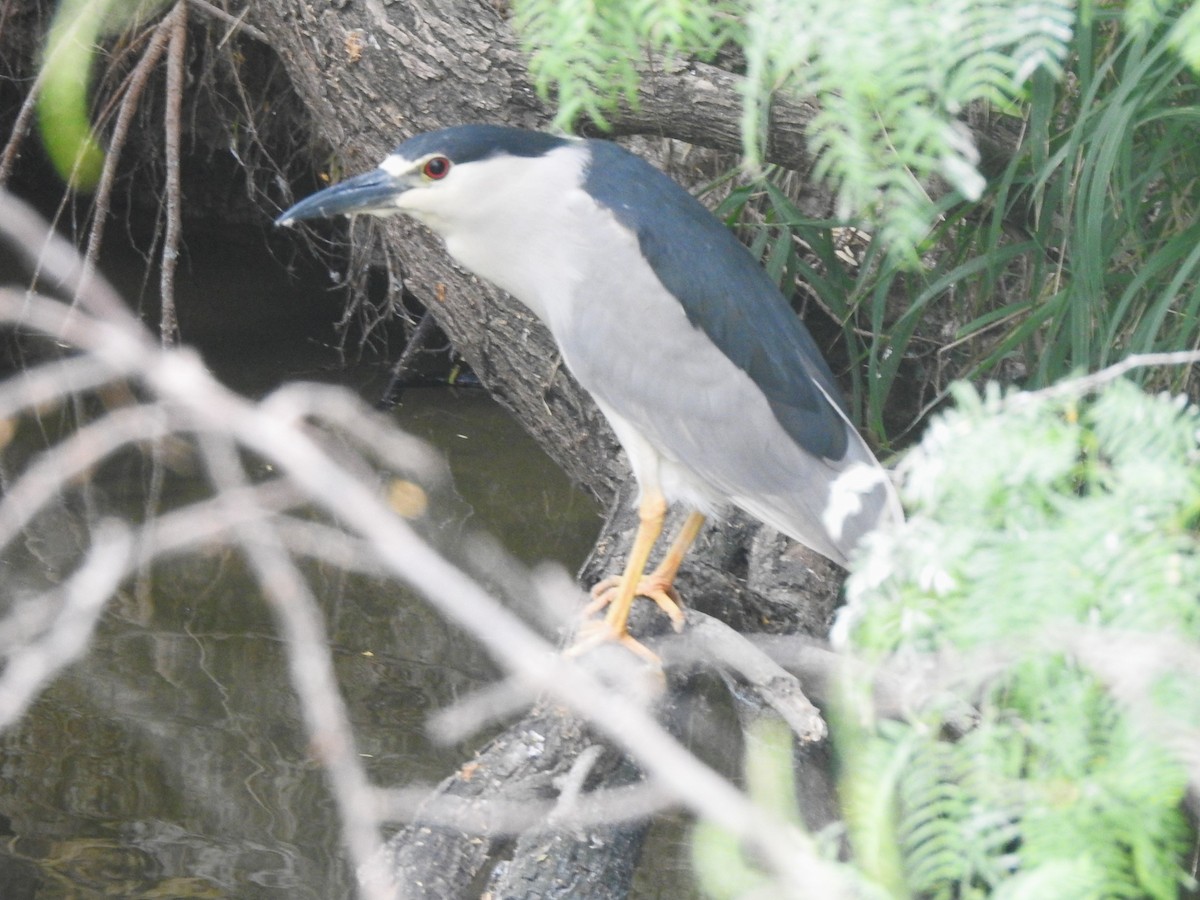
525,229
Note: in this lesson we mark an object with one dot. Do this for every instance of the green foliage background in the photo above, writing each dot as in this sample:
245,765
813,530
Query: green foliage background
1037,612
1077,244
1042,527
1045,584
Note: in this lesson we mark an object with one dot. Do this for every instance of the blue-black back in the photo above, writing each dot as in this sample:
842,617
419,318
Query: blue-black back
725,292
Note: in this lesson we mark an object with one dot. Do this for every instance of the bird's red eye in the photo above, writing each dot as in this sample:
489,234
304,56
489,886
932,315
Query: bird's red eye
436,167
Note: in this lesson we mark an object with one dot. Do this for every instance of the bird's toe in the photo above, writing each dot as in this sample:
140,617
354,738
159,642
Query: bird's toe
662,591
598,632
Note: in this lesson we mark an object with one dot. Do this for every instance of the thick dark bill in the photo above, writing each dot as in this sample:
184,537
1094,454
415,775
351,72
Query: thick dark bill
372,191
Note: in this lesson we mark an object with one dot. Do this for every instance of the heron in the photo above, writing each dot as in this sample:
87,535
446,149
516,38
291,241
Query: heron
714,388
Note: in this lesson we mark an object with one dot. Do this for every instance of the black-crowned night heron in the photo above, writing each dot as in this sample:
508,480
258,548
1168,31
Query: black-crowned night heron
714,388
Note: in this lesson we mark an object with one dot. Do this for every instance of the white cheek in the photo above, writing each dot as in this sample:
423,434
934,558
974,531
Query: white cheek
429,204
507,220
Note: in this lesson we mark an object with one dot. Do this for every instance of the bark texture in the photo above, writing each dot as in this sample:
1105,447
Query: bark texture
370,75
530,761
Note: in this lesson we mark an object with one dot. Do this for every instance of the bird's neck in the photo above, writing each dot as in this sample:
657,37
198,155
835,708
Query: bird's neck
515,230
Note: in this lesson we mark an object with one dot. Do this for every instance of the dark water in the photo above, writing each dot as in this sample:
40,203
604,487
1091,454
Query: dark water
170,762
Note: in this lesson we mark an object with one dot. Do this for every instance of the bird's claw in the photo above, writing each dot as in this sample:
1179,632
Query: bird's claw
596,632
652,587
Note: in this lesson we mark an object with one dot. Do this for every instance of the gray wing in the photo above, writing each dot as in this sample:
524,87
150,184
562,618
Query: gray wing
630,343
725,293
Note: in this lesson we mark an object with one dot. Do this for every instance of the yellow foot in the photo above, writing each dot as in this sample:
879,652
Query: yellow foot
593,634
653,587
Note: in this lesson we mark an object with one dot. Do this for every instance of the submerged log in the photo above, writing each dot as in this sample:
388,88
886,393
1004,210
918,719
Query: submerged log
470,840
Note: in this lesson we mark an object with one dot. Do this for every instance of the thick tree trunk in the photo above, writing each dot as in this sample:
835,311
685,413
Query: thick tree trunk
371,75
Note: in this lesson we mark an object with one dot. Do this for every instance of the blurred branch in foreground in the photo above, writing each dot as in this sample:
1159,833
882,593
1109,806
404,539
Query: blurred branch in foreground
96,344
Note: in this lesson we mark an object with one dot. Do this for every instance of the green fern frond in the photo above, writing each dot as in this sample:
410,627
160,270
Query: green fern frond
683,27
583,54
1033,515
874,766
933,808
890,92
891,83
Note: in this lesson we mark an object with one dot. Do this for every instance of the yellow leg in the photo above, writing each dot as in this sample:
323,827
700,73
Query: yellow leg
651,512
659,585
669,567
618,592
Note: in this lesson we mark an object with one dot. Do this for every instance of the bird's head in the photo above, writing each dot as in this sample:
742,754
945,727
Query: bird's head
439,178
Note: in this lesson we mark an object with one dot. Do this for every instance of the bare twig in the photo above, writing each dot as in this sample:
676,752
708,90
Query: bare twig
48,383
43,481
184,395
21,128
476,711
61,266
209,522
236,23
373,434
300,625
82,599
135,85
1084,384
168,328
710,639
497,817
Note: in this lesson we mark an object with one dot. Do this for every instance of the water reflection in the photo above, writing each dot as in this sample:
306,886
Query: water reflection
171,761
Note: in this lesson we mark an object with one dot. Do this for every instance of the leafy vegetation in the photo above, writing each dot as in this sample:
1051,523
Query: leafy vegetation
67,79
1052,542
890,83
1080,248
1042,595
1038,614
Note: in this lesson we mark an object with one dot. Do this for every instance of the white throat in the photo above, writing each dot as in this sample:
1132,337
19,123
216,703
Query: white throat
509,219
